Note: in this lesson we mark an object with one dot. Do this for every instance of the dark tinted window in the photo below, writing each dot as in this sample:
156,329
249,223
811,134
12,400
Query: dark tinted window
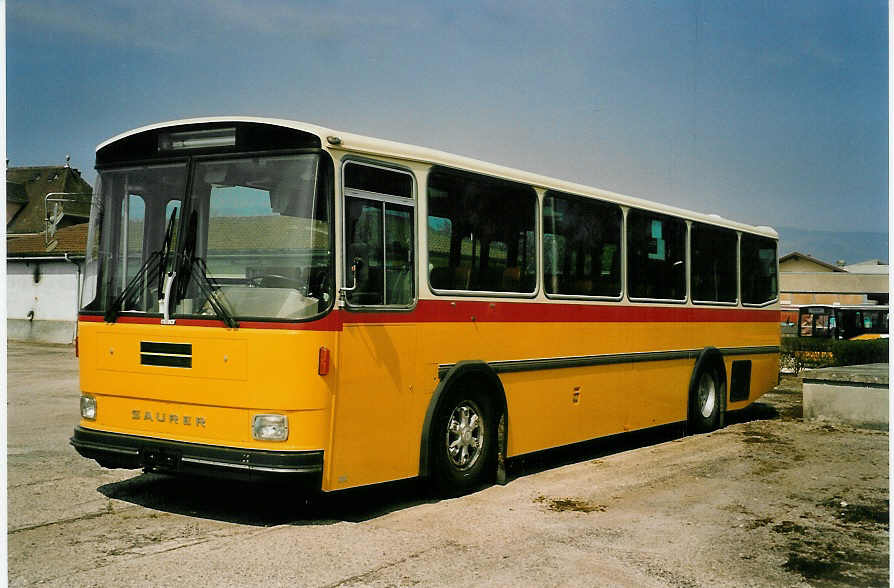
378,180
480,233
760,282
581,246
713,258
656,266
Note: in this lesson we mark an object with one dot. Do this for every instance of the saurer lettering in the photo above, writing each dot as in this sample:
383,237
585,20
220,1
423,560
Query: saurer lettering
174,419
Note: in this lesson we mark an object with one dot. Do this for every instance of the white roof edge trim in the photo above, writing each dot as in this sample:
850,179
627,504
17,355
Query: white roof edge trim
351,142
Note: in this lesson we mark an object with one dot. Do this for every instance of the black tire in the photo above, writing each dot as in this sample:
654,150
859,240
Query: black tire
464,439
706,395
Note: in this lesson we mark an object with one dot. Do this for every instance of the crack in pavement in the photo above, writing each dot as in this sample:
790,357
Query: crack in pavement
361,577
131,553
84,517
38,482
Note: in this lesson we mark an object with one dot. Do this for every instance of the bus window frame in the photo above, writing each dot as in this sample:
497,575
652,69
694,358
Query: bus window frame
738,234
622,247
739,261
412,202
680,301
537,230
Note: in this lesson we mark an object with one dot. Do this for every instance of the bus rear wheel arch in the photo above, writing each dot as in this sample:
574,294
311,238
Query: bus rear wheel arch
707,392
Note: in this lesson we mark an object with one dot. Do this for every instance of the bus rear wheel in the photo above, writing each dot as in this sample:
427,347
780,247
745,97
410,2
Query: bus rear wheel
705,400
464,441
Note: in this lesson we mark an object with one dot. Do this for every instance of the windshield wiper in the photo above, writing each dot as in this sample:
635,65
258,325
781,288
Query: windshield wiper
193,269
153,269
149,271
185,268
165,251
188,267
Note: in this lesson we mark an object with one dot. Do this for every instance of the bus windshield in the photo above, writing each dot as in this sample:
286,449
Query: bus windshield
255,229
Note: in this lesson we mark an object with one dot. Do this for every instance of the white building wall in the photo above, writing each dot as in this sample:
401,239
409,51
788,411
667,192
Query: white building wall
42,300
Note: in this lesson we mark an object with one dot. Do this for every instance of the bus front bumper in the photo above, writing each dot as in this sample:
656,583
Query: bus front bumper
114,450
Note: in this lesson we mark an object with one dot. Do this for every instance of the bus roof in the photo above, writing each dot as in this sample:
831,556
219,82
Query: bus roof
361,144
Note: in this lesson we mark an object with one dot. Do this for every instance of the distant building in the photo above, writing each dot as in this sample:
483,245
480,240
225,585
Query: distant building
27,205
872,266
16,199
806,280
47,209
801,262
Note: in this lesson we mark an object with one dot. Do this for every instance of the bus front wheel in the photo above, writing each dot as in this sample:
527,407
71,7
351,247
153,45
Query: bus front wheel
706,399
464,441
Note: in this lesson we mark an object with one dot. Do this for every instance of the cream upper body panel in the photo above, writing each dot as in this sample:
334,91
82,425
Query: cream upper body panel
335,140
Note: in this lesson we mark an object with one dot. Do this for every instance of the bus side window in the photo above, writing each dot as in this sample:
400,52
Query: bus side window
758,269
363,227
379,235
582,246
481,234
656,266
713,259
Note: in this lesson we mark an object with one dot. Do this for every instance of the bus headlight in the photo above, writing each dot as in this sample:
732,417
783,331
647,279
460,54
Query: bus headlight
270,427
88,408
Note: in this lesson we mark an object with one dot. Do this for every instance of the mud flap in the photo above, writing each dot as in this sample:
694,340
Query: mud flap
501,450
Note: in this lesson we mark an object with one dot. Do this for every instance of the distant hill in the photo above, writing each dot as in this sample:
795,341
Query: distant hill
831,246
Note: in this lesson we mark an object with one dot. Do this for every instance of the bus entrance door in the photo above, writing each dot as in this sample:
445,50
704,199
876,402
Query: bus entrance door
371,435
377,351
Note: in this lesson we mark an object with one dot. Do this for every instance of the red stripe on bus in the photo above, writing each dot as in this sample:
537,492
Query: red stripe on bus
444,311
461,311
330,322
90,318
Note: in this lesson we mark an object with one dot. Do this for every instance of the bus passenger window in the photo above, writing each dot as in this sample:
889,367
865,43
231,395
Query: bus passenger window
581,246
758,270
656,246
481,234
713,257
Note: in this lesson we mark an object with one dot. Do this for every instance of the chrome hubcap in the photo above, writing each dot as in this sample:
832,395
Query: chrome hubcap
465,435
707,393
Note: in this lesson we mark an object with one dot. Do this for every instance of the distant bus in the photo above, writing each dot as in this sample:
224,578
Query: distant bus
843,322
272,299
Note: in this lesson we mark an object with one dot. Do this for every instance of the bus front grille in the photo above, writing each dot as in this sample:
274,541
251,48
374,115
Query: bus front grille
177,355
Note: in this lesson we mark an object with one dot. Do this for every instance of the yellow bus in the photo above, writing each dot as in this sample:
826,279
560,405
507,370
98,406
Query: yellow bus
269,299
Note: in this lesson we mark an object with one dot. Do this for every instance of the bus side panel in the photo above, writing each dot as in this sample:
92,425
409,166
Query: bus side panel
658,393
371,440
550,408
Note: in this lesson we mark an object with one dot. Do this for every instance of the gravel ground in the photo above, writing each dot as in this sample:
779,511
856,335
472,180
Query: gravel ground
767,500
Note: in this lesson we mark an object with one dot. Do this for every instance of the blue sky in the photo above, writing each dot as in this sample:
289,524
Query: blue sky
764,112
